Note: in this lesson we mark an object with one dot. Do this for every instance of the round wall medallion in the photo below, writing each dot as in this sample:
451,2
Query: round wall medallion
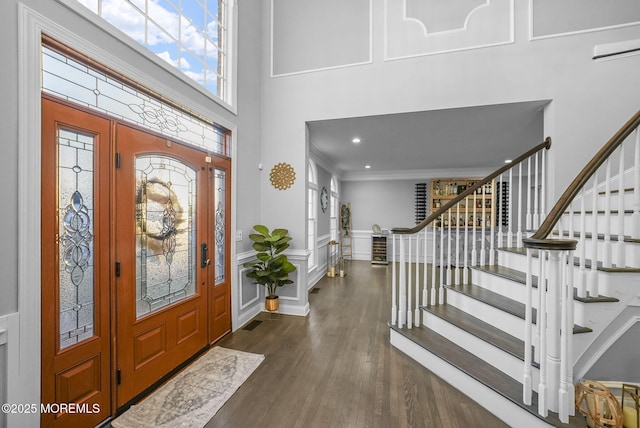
282,176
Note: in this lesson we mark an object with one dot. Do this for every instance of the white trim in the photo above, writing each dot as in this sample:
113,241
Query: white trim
416,174
82,11
313,70
250,303
616,50
426,30
26,385
571,33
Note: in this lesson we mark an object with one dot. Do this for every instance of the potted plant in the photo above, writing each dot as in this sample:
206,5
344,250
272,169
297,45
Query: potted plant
272,268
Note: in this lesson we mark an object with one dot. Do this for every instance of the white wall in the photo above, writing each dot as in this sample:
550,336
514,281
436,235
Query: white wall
590,100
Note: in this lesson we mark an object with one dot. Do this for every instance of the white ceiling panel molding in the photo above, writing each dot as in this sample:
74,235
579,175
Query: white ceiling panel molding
313,36
428,27
557,18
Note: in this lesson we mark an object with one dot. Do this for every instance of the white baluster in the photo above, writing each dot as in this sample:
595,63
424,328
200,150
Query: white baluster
543,186
620,246
554,285
536,196
442,267
457,246
433,265
542,335
394,282
402,302
483,226
528,219
606,252
636,192
509,215
474,245
465,274
409,286
501,198
582,276
592,279
417,287
520,216
425,277
492,233
566,331
527,382
450,244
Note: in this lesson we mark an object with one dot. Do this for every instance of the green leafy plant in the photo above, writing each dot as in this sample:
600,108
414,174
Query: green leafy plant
272,268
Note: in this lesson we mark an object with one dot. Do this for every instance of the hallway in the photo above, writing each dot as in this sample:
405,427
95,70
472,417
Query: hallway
336,368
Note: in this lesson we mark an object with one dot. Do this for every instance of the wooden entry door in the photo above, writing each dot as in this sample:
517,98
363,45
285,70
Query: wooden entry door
76,363
163,254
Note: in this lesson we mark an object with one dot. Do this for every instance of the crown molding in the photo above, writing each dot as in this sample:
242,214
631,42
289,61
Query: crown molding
416,174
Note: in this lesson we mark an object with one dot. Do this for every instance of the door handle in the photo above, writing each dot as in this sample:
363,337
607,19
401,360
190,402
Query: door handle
204,256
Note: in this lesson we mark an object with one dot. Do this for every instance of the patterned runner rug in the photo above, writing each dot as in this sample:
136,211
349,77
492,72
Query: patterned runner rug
193,396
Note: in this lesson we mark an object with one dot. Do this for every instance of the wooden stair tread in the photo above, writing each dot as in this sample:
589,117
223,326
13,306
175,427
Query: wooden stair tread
478,328
483,372
503,303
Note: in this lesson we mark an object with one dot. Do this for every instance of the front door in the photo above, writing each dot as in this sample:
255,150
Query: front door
135,256
163,256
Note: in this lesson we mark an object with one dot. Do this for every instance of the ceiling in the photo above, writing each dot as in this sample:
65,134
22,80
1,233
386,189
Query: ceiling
421,144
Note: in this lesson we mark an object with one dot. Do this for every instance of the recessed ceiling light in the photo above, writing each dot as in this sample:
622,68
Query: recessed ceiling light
508,161
355,140
367,166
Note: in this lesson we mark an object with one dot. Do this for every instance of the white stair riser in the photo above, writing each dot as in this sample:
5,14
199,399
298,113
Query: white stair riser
631,257
506,322
503,361
498,405
601,224
497,284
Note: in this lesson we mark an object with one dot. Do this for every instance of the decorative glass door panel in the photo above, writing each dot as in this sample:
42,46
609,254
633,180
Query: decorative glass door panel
220,192
75,205
165,232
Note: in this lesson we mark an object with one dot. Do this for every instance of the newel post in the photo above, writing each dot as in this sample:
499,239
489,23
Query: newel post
555,330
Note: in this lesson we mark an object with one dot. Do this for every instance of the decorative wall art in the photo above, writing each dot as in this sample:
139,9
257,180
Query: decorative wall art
282,176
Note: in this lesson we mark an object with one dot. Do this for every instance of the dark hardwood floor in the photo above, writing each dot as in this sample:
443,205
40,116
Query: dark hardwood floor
336,368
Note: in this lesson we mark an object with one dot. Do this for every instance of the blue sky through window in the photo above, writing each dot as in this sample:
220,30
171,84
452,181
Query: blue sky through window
183,33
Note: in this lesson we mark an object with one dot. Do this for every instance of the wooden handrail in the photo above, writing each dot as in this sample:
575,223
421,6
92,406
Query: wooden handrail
470,190
584,176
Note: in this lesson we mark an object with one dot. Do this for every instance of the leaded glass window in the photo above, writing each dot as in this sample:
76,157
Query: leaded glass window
189,35
220,225
75,202
68,79
165,232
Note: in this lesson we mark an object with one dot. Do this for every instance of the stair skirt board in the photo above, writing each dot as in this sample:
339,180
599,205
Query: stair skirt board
498,318
507,363
501,407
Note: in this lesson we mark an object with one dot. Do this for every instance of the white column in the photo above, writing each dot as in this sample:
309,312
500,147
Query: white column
554,286
402,303
519,230
542,336
409,286
527,385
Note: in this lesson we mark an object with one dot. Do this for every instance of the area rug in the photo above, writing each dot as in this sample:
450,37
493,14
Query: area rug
193,397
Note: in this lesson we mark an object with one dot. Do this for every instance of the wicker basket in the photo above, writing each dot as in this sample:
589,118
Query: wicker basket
596,402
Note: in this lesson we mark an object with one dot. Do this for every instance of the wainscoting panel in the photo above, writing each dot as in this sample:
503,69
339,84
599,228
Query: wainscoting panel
550,18
3,373
310,36
10,386
421,27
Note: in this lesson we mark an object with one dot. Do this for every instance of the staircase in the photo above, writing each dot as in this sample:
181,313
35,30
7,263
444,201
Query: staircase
470,308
